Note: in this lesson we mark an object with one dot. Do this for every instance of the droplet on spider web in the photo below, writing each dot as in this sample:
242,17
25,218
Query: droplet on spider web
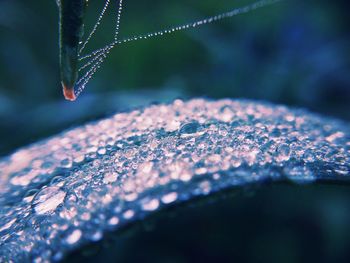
94,60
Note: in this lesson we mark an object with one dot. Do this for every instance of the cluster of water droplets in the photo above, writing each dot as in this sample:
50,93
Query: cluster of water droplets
97,57
72,188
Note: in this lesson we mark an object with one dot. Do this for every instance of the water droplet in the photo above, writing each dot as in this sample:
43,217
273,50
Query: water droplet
113,221
46,165
79,158
282,153
48,199
169,198
66,163
189,128
30,195
101,150
128,214
7,225
299,174
343,170
73,237
205,187
57,181
96,236
150,205
110,178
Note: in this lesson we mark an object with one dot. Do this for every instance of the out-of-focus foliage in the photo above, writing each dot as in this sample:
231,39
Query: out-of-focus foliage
295,52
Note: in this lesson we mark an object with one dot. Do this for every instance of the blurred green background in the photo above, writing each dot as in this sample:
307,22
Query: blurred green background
294,52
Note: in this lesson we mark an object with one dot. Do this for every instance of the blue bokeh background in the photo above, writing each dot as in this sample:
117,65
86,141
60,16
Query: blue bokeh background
294,52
